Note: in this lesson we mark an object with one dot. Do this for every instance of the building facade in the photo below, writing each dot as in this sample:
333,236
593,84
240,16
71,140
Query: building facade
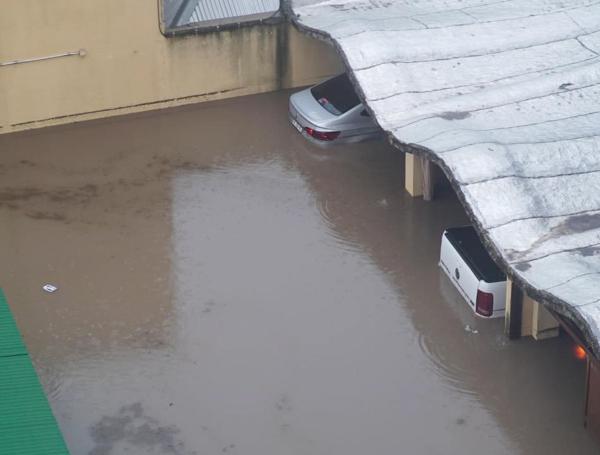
67,61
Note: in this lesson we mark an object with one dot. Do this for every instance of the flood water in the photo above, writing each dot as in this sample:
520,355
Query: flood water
226,288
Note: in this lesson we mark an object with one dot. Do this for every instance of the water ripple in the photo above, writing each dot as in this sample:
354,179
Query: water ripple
343,241
456,376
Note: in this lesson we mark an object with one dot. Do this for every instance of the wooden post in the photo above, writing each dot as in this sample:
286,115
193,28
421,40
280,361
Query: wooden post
418,179
413,175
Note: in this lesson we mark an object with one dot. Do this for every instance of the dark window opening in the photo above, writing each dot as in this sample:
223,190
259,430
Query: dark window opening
336,95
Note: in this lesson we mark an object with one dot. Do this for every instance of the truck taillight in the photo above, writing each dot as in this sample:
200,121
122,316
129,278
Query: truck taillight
484,305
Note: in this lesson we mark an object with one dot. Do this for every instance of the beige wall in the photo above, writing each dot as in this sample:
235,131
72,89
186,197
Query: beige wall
130,66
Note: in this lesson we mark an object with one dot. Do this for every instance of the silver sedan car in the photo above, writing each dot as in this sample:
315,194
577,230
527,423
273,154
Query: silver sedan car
331,113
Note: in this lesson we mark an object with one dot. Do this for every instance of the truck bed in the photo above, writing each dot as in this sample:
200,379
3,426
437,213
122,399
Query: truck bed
467,243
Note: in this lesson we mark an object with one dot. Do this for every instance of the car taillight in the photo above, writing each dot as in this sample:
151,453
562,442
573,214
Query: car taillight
322,135
484,305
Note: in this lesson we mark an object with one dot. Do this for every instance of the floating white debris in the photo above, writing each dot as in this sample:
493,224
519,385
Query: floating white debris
470,329
49,288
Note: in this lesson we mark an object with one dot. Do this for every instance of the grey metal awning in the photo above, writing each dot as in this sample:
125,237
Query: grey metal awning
219,12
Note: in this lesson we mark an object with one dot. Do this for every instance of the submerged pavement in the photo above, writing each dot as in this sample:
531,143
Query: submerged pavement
237,291
503,96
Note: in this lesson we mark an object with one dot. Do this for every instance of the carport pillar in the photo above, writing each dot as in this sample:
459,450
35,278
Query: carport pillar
513,311
418,180
526,317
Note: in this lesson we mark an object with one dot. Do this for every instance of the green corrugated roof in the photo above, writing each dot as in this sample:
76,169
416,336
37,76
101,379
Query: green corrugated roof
27,425
10,340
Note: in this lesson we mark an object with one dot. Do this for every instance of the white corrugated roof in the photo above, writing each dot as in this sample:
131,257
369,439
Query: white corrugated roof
505,96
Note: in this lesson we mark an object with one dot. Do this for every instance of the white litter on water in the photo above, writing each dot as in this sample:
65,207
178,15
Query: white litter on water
49,288
469,329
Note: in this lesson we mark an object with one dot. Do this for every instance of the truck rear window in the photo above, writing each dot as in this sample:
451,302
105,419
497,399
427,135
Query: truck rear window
336,95
467,243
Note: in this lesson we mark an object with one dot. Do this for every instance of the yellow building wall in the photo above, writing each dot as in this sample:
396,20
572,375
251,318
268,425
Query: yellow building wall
129,65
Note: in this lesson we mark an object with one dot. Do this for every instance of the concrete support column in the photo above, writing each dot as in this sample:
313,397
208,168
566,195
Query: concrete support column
418,179
526,317
513,312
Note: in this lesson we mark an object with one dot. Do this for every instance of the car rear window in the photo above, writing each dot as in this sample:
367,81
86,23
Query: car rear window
336,95
467,243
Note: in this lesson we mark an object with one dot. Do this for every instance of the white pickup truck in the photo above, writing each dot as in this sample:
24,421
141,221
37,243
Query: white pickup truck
471,269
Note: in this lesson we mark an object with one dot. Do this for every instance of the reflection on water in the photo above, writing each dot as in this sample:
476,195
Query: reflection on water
241,292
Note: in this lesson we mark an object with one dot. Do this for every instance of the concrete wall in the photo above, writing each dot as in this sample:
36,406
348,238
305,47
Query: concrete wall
130,66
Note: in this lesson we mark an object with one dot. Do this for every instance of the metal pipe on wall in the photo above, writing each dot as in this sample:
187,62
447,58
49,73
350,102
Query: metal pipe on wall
80,52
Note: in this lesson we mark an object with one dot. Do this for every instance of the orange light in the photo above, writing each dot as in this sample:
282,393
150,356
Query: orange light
579,353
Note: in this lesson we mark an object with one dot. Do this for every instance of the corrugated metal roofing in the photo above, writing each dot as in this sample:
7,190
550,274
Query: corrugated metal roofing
214,10
27,425
503,95
10,340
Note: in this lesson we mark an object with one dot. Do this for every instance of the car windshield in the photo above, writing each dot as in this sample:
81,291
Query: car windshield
336,95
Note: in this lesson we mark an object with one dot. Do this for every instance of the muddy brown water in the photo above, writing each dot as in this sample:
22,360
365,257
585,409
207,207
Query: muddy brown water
224,287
